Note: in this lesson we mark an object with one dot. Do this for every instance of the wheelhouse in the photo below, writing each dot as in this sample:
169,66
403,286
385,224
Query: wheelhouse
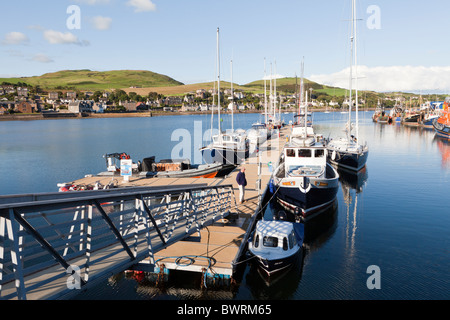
301,161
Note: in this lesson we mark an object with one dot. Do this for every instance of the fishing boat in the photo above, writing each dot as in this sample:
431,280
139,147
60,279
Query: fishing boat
348,152
379,112
276,244
230,147
442,125
395,115
411,118
304,183
429,112
428,118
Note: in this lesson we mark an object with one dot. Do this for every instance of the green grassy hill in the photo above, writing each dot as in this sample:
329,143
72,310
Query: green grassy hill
288,85
95,80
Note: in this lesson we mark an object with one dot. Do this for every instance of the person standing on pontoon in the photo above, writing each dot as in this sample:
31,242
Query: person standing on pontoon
242,183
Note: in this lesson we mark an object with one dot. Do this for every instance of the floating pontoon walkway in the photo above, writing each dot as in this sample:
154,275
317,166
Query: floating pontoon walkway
192,224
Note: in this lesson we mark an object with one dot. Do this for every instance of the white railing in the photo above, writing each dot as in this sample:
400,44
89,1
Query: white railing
51,248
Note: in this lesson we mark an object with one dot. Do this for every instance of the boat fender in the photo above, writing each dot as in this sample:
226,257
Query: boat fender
271,186
333,155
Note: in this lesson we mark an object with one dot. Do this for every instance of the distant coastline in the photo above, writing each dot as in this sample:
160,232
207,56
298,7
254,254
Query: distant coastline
60,116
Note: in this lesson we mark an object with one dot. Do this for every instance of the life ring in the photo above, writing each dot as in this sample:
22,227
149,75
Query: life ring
333,155
124,156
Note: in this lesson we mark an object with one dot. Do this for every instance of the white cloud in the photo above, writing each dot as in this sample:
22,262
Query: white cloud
93,2
101,23
393,78
42,58
57,37
15,38
273,76
142,5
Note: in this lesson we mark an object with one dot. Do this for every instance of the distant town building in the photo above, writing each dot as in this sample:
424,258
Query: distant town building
71,95
25,107
22,92
130,106
79,106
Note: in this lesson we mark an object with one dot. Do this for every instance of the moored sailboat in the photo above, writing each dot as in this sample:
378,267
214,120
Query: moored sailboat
348,152
230,147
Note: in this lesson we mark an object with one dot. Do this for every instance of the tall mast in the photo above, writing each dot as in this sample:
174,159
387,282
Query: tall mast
232,99
301,89
265,92
356,73
271,94
218,80
275,92
351,73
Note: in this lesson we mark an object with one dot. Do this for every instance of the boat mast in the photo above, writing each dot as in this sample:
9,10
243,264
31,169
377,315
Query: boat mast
232,99
349,129
301,89
218,80
265,92
275,93
271,94
356,73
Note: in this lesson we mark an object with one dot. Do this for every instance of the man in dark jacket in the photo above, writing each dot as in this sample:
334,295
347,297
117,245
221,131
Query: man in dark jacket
242,183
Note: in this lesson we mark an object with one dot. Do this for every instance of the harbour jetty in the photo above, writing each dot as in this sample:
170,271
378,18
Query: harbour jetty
218,248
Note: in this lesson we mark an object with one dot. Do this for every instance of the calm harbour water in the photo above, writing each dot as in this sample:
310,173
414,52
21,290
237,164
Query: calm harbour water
395,216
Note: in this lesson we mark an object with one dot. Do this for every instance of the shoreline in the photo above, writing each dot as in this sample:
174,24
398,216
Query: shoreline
59,116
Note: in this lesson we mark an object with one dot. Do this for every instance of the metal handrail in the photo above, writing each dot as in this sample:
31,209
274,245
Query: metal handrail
50,235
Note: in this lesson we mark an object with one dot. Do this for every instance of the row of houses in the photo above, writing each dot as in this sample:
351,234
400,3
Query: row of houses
10,89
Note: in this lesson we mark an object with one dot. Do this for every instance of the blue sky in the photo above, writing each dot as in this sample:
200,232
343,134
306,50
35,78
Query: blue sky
407,50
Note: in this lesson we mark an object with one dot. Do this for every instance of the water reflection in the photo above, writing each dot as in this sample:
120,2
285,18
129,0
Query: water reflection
278,287
444,148
320,229
352,186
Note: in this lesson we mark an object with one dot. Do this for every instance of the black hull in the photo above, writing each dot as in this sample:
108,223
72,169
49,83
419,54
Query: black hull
272,267
414,119
309,204
225,156
350,161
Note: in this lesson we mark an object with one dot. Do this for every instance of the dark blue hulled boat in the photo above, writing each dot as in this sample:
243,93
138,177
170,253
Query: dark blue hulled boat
276,244
347,153
304,182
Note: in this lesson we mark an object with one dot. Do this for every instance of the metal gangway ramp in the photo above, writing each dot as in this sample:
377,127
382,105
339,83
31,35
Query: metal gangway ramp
53,246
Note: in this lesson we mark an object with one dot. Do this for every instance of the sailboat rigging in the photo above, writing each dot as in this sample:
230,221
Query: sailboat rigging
347,152
230,147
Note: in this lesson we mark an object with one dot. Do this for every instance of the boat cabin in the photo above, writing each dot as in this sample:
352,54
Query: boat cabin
259,126
233,140
305,161
276,237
